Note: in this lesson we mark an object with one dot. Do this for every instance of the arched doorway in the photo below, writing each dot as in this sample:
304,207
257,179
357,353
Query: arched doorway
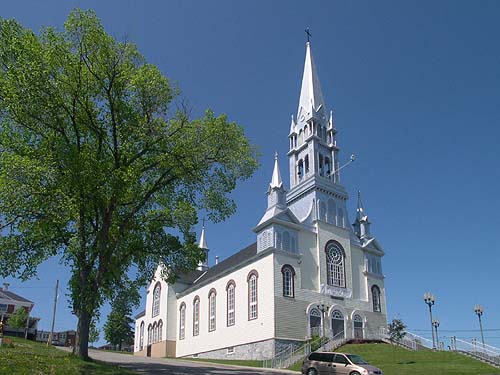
338,325
315,322
358,326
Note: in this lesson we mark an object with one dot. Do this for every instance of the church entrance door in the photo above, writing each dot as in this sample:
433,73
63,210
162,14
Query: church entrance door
315,322
148,351
337,325
358,327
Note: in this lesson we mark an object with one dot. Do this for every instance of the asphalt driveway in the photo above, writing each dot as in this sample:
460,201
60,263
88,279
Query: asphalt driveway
153,366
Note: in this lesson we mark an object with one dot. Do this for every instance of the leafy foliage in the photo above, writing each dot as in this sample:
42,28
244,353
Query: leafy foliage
118,328
101,165
19,318
93,332
396,330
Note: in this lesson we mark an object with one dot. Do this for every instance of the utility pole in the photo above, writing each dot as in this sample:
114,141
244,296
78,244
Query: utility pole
27,326
49,341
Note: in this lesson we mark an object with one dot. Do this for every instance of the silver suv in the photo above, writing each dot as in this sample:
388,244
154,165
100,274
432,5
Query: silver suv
329,363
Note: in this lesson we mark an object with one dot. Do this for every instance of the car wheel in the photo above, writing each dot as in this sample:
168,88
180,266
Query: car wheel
355,373
311,371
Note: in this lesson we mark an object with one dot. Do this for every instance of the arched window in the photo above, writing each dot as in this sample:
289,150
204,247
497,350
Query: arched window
340,218
196,316
156,299
327,167
278,241
335,260
155,332
332,211
160,329
337,325
306,163
376,299
252,295
301,137
288,280
150,334
141,337
358,326
182,321
315,322
322,211
320,165
286,241
300,169
211,310
230,303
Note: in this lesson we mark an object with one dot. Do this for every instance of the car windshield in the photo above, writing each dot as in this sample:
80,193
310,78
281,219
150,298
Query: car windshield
356,359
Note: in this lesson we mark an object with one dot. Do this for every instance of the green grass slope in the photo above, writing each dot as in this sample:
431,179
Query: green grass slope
398,361
32,358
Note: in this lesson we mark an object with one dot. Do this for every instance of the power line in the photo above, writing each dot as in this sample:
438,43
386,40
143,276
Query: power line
456,330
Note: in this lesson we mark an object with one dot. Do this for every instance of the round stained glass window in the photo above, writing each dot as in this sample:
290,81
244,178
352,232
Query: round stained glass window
334,254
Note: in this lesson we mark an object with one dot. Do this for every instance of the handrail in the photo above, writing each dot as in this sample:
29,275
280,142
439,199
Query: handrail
475,349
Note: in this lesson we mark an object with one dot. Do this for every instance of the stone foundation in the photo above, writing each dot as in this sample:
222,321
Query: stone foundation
259,350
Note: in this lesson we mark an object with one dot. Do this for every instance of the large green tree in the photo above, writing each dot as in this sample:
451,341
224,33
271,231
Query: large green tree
100,163
118,328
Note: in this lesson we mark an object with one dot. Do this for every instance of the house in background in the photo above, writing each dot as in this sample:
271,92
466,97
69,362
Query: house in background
9,303
64,338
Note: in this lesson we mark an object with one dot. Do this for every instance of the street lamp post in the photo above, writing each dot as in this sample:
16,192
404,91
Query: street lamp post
430,299
435,324
478,309
323,308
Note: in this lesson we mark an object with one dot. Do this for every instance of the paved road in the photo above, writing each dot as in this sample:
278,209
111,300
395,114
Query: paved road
163,366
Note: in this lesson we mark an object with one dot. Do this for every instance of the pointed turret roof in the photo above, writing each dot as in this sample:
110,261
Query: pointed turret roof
360,212
311,96
276,181
203,240
292,126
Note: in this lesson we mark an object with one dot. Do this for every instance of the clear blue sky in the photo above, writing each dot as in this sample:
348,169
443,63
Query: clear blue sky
415,87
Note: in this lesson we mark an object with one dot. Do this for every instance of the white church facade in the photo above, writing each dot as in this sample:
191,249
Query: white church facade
309,273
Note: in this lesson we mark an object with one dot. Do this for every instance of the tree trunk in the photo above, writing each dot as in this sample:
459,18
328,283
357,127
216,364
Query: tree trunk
81,348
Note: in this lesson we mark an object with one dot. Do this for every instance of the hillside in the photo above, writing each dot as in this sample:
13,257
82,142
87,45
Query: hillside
398,361
26,357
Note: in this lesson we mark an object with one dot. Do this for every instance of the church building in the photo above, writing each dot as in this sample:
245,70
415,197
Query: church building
309,273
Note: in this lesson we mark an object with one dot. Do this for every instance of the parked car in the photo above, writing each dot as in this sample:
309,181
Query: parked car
330,363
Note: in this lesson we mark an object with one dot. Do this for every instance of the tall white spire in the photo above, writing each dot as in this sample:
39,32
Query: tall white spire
202,244
203,240
276,181
311,96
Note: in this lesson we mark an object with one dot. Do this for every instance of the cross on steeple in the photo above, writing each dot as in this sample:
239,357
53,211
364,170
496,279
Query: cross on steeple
309,35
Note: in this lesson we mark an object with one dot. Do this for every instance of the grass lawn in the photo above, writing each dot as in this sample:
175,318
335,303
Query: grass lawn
235,362
398,361
33,358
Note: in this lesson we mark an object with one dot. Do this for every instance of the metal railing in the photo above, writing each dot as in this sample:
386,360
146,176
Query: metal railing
290,355
477,350
409,340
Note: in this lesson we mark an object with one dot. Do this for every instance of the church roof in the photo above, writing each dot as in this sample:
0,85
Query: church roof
198,277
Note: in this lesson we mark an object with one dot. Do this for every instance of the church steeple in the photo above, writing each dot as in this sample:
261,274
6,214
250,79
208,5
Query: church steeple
362,224
203,265
311,102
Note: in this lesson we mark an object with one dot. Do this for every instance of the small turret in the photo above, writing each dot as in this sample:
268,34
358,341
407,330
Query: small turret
362,224
276,192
